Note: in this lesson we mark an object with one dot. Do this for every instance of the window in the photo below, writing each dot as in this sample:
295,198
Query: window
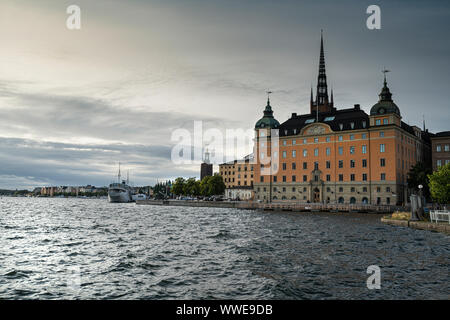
382,162
388,200
341,126
316,152
305,165
274,178
352,189
364,124
294,166
293,178
364,149
328,139
328,151
382,134
383,176
305,141
352,137
382,147
284,178
340,138
364,136
378,122
261,179
446,148
293,142
385,121
316,140
341,150
352,150
388,189
352,177
309,121
284,165
316,165
352,163
352,125
364,163
284,142
329,118
364,177
378,189
328,178
294,153
341,189
341,177
305,153
305,178
261,156
439,163
341,163
438,148
328,164
364,189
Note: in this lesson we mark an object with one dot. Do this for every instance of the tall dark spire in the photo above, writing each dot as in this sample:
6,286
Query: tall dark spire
322,101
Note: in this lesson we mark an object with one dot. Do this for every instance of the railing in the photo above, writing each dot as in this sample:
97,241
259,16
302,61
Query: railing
440,215
296,206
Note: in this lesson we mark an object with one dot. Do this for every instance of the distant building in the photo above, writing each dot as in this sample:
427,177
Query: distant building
440,145
238,173
206,168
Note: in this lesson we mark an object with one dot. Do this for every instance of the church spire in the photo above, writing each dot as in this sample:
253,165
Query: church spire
322,102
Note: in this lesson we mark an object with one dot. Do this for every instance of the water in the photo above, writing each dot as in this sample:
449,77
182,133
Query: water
91,249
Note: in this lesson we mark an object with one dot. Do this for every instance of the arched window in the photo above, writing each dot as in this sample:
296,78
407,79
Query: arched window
352,200
283,198
275,198
341,200
365,200
293,198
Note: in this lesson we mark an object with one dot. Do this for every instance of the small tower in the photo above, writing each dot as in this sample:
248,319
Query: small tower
385,111
206,168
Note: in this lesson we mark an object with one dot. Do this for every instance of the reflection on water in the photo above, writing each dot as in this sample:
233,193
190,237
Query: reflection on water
91,249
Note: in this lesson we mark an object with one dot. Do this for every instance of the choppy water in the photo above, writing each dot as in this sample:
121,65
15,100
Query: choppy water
91,249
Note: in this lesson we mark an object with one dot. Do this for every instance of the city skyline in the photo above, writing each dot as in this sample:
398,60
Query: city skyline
75,103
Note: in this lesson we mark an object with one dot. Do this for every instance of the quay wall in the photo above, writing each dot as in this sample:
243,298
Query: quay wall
442,227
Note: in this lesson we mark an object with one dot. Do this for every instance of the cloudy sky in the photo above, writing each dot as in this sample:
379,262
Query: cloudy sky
73,103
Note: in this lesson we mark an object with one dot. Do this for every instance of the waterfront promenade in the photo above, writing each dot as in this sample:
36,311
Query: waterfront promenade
275,206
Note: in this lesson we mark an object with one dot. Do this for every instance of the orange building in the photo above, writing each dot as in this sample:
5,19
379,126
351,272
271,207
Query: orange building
238,173
337,156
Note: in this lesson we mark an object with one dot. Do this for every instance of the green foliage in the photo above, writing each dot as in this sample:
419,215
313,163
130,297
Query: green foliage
178,186
191,187
440,184
418,175
212,185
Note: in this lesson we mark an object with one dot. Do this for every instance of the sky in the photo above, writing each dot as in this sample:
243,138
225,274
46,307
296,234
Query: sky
75,103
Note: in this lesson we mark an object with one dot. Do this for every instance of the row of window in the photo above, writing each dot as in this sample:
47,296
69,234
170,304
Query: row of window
352,150
327,177
341,189
439,148
328,164
439,162
328,139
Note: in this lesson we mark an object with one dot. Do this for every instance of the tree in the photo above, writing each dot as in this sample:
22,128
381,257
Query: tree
440,184
204,186
418,175
178,186
213,185
192,187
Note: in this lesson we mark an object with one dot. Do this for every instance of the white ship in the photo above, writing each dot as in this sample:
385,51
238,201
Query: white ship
120,191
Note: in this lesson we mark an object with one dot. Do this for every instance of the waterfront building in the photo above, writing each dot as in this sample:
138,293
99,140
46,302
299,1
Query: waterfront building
206,168
238,177
440,146
337,155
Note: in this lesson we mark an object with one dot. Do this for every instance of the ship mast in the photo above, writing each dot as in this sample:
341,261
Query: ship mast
118,176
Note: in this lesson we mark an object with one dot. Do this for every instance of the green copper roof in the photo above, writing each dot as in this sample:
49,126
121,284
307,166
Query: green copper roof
267,121
385,103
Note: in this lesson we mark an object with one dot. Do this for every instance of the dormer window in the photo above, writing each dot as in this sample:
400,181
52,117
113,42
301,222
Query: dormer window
364,124
341,126
352,125
295,131
285,132
309,121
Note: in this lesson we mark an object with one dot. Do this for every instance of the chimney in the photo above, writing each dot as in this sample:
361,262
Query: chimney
294,114
357,107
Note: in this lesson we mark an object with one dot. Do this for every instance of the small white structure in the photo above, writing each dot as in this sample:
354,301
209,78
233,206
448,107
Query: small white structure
440,215
240,193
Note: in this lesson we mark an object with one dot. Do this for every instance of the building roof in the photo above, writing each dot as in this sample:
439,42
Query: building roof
385,103
442,134
339,120
267,121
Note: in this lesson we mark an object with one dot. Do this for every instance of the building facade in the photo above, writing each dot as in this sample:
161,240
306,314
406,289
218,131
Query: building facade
440,146
337,156
238,173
